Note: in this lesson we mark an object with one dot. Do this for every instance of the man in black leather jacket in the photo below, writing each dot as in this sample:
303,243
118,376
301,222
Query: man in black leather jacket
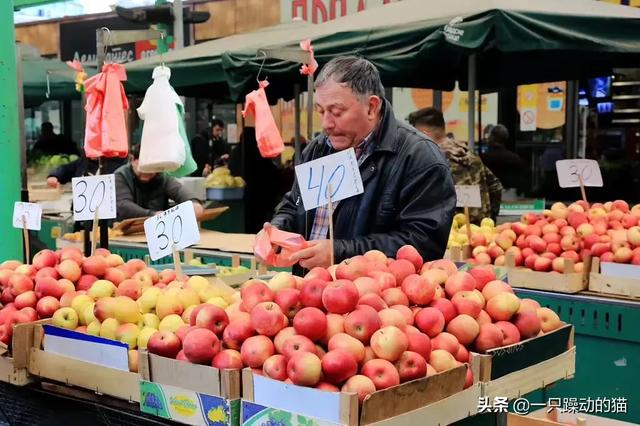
409,195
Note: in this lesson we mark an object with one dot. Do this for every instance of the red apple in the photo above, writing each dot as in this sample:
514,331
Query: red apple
361,385
490,337
446,307
255,351
267,318
47,306
164,343
409,253
430,321
410,366
340,297
318,273
304,368
200,346
445,341
254,292
389,343
297,343
311,293
348,343
275,367
395,296
401,269
227,359
338,365
289,301
45,258
311,322
362,323
212,318
382,373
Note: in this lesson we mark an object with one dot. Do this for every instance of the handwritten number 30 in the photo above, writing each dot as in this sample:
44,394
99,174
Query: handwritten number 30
174,232
100,185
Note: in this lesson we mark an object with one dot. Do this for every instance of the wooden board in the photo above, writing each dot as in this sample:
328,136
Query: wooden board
209,240
412,395
451,409
102,380
135,225
550,281
10,374
537,376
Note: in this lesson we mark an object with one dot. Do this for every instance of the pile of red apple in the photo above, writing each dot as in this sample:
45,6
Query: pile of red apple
366,324
55,278
609,231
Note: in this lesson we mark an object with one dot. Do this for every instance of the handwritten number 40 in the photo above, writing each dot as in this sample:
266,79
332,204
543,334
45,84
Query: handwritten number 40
335,181
101,186
176,232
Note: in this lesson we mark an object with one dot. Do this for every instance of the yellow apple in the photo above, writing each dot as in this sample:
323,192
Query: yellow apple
65,318
87,316
144,336
218,301
168,303
101,288
94,328
108,328
171,323
128,333
198,283
80,302
149,298
126,310
149,320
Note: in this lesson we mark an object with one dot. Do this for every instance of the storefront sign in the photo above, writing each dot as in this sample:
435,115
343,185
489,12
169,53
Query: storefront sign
319,11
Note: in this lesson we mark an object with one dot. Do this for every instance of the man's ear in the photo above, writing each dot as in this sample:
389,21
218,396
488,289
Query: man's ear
374,106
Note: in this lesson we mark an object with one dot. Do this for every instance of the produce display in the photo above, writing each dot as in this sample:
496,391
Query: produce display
221,177
78,236
50,162
609,231
366,324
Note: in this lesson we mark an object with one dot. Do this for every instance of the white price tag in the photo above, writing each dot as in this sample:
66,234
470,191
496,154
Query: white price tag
468,195
339,170
91,193
570,172
27,213
174,227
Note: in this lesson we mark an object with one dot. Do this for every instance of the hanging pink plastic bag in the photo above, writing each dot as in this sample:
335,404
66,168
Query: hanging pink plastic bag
311,68
269,140
267,242
106,129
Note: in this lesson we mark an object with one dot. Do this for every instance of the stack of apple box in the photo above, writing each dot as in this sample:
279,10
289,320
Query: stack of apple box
571,281
89,362
514,370
189,393
14,363
438,399
615,279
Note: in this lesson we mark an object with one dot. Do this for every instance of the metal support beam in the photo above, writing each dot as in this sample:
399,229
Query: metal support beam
11,247
131,36
571,127
309,107
178,24
471,107
296,118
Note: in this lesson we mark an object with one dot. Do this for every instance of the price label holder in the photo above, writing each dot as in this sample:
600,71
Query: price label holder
468,196
578,173
172,230
27,216
94,195
337,171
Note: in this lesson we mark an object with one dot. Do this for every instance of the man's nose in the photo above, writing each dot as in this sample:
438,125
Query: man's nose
327,121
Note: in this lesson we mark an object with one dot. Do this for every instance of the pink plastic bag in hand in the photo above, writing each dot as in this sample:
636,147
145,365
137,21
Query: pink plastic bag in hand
313,64
269,140
266,243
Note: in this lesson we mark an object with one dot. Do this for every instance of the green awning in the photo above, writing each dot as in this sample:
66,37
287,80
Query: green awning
418,44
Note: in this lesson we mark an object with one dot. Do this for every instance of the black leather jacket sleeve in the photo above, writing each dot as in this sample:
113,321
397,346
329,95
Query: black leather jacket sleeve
426,210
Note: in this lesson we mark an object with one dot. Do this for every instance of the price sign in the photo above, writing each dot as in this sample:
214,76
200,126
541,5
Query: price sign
174,227
29,214
91,193
337,171
571,172
468,196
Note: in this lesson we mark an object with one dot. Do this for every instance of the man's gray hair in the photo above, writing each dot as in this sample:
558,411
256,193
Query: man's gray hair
358,74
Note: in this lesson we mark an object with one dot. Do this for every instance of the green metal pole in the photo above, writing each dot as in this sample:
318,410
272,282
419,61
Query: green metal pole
164,42
11,245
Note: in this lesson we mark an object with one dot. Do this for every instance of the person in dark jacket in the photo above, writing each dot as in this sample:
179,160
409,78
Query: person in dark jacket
506,165
50,143
210,149
262,178
83,166
140,194
409,196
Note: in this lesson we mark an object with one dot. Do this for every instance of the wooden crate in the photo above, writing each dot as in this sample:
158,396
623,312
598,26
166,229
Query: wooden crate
568,282
613,285
73,372
14,363
438,399
42,192
544,418
514,370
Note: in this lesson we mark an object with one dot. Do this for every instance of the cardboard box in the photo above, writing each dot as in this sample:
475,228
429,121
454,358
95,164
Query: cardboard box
568,282
14,361
615,279
264,400
514,370
76,372
189,393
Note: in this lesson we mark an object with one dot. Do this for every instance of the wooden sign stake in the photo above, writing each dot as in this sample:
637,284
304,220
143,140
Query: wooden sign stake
25,233
467,218
177,263
94,233
331,225
582,190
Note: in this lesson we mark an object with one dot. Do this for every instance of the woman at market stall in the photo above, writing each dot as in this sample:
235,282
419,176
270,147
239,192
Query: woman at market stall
409,196
140,194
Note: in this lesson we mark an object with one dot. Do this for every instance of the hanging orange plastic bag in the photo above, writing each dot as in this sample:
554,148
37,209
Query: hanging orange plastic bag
311,68
267,242
269,140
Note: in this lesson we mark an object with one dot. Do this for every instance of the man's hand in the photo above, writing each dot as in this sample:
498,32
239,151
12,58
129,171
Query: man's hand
206,171
318,254
52,182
